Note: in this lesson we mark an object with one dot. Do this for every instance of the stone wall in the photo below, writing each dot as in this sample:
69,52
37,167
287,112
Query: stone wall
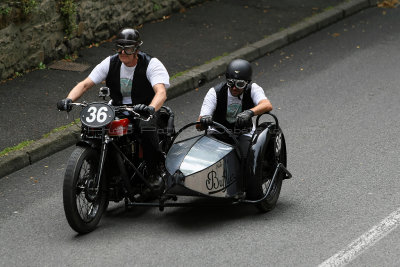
41,35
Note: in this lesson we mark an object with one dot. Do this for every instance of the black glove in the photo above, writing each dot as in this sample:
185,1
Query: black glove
206,121
243,119
64,104
144,109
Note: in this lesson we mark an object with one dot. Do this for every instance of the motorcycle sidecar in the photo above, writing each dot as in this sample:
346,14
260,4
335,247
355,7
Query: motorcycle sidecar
205,166
202,166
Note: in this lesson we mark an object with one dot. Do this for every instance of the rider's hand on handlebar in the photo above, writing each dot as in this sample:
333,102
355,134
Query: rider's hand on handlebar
144,110
243,119
206,120
64,104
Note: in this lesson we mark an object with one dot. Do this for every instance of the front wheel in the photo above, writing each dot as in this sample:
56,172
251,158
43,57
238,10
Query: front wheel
83,203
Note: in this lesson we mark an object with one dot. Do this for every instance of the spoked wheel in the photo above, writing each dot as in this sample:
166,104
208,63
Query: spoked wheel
274,154
83,203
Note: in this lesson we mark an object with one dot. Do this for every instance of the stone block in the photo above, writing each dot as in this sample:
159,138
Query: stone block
81,28
327,18
301,30
180,85
271,42
349,8
12,162
248,53
53,143
198,75
212,70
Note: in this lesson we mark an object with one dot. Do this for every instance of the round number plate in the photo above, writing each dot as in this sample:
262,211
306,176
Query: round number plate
97,115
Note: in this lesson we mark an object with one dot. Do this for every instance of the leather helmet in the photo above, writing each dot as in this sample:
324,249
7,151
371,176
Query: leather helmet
129,36
239,69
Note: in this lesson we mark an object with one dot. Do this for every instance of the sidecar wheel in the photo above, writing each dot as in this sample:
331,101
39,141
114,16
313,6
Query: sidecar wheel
259,185
83,206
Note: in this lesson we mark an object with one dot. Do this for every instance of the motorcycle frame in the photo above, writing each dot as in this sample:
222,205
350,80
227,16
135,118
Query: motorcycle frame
104,145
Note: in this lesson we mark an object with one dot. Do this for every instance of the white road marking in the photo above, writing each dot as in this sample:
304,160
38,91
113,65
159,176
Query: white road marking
365,241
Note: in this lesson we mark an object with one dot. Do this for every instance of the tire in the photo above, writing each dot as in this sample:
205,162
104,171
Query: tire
258,186
83,207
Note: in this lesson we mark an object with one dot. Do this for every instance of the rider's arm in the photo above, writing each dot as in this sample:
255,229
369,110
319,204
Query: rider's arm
158,76
98,74
209,105
262,107
160,96
258,96
80,89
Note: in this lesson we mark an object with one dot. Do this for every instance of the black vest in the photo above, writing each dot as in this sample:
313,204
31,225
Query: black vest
221,91
142,91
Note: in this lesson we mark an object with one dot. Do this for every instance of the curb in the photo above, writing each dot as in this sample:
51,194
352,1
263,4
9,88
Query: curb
192,79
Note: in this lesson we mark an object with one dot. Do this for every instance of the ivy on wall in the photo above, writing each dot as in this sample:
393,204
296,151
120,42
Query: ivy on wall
28,6
68,10
16,11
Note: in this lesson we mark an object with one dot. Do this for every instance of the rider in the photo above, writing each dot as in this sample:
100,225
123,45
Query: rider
234,108
134,78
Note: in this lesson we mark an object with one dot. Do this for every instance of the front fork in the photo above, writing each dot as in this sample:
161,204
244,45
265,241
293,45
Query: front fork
103,153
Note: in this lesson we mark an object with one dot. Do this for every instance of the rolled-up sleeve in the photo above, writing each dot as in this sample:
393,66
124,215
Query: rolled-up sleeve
209,103
157,73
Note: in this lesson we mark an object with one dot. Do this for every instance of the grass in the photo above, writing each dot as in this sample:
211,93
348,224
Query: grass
178,74
208,61
15,148
29,142
61,128
217,58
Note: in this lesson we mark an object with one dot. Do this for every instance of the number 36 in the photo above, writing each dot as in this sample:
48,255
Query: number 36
100,117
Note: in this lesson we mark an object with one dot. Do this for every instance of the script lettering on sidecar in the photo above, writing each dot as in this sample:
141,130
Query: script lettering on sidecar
218,184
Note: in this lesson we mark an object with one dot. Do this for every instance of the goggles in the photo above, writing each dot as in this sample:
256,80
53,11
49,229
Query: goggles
239,84
128,49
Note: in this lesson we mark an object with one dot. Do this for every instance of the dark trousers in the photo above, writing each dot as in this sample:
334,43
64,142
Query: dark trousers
147,132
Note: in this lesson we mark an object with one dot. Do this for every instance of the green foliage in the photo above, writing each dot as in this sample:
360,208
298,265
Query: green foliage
71,57
217,58
15,148
156,5
29,142
178,74
68,11
42,66
28,6
208,61
328,8
62,128
5,10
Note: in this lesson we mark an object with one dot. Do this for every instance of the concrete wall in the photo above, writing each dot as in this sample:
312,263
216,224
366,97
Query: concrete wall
40,36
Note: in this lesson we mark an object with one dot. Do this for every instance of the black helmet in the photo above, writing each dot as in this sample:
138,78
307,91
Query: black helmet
129,36
239,69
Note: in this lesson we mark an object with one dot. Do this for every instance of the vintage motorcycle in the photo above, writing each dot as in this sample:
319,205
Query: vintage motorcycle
107,165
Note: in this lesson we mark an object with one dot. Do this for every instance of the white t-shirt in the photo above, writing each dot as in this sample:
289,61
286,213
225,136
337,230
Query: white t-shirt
234,104
156,73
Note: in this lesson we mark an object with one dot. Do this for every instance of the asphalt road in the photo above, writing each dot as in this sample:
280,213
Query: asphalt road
336,94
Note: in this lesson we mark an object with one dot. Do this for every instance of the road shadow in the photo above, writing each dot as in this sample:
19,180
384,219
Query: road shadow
204,214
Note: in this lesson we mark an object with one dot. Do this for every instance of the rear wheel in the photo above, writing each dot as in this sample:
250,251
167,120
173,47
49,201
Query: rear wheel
83,203
274,154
